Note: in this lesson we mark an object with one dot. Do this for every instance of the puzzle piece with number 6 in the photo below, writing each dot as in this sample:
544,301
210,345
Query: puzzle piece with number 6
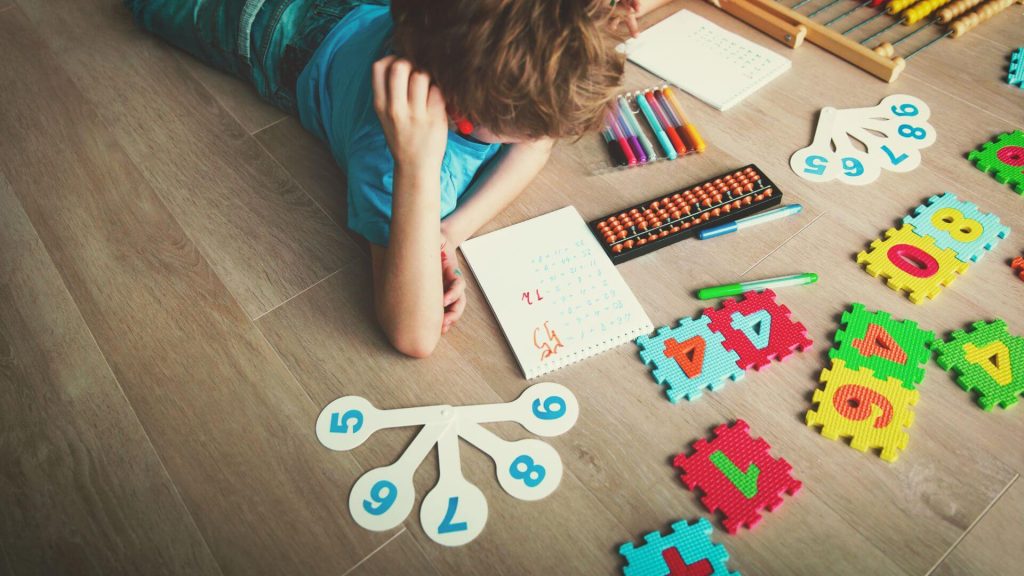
758,328
689,358
1003,157
870,411
988,360
738,475
686,551
911,263
890,348
958,224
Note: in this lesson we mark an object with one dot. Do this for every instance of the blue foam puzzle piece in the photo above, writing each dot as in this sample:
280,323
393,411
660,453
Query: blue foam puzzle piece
756,326
719,363
1015,77
972,251
693,543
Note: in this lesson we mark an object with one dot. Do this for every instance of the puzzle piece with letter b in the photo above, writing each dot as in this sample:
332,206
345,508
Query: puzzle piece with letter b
987,360
686,551
689,358
1003,157
871,411
758,329
738,475
959,225
890,348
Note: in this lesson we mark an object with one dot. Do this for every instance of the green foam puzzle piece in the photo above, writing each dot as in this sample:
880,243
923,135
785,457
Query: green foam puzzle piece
987,360
1003,158
890,348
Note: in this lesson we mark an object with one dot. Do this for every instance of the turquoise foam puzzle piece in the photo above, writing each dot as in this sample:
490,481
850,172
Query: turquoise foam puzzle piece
688,549
992,229
757,326
717,363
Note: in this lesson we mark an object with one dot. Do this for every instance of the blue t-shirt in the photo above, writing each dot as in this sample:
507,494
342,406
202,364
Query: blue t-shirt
335,102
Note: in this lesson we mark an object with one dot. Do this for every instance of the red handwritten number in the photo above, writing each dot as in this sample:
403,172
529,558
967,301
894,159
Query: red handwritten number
526,296
677,567
548,347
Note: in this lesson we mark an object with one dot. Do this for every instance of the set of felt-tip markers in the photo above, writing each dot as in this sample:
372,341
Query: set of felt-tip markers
673,134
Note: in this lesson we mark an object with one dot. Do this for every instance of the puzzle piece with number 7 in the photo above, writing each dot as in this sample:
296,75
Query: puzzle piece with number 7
890,348
686,551
689,358
738,475
758,329
988,360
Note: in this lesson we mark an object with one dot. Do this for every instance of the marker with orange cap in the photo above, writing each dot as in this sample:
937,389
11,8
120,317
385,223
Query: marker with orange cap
696,142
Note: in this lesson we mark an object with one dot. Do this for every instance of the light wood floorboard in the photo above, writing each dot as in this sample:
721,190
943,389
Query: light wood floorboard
82,488
995,545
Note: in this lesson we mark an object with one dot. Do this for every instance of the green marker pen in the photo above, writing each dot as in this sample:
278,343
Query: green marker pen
734,289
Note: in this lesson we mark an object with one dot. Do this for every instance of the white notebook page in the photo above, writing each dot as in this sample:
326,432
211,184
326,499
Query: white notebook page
556,295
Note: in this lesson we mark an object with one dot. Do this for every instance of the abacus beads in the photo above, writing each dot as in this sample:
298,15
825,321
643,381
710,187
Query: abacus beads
987,10
947,14
918,11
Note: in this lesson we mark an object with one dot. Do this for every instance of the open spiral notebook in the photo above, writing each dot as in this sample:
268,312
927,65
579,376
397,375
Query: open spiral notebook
556,295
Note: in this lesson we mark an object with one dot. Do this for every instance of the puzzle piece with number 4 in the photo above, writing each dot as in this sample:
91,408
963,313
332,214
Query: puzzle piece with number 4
871,411
1003,158
738,475
758,328
889,348
454,512
689,358
987,360
686,551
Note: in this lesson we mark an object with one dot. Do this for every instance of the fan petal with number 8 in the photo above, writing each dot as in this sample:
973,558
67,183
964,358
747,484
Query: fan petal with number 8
891,133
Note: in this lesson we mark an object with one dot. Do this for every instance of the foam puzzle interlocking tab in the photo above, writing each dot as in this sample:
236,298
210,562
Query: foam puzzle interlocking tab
689,358
890,348
934,245
1003,158
686,551
738,475
1018,266
872,412
759,329
1015,75
987,360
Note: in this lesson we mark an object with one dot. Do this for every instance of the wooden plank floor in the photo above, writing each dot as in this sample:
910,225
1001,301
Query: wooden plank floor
179,298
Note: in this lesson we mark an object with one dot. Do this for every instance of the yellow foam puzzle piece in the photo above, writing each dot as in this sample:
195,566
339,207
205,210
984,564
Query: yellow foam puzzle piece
870,411
881,260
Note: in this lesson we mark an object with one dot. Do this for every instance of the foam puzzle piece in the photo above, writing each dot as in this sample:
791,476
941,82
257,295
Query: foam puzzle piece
889,348
870,411
1003,157
1018,266
958,224
738,475
689,358
987,360
758,328
686,551
911,263
1015,76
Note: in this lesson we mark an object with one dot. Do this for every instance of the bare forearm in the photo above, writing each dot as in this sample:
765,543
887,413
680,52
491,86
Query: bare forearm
409,301
518,166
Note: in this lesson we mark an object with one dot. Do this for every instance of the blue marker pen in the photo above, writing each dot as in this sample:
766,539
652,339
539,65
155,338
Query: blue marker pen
659,133
780,212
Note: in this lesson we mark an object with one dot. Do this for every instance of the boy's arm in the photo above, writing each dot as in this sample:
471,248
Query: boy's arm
408,284
507,178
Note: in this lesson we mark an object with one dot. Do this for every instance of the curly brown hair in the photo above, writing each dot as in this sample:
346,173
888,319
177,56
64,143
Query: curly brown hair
530,68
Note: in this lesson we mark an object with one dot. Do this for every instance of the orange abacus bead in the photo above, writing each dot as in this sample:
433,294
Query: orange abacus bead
617,248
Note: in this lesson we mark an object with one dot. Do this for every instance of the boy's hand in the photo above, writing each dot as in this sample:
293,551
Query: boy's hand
412,113
625,11
454,287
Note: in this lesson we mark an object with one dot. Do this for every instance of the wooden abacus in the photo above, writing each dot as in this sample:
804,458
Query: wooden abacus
790,27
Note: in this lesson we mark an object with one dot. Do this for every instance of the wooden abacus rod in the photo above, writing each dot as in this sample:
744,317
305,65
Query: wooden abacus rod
987,10
949,13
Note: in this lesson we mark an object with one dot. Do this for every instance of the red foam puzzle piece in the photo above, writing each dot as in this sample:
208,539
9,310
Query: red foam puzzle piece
785,336
738,475
1018,266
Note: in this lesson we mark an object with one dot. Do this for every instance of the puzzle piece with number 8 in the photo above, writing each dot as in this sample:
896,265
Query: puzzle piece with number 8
890,348
988,360
912,263
870,411
738,475
686,551
957,224
758,329
1003,158
689,358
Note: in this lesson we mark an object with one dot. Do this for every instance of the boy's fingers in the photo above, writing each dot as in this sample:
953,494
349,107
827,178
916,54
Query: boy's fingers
419,89
632,25
398,87
435,101
380,86
453,315
455,291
